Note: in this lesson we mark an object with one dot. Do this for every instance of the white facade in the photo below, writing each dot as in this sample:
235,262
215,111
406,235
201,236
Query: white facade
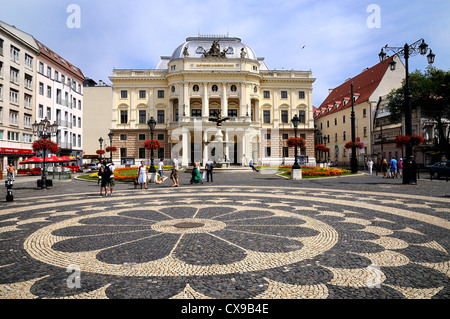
18,52
60,98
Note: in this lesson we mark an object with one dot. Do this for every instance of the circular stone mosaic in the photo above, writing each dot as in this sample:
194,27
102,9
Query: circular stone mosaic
226,242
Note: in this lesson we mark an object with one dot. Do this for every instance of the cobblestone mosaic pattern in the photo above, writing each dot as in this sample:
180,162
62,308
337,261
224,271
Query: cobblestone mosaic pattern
226,242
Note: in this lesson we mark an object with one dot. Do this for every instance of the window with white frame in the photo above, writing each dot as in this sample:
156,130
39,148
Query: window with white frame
41,88
41,68
56,76
13,118
15,54
27,121
41,111
1,92
27,138
28,81
14,76
142,117
13,136
29,61
79,140
79,122
49,91
27,99
123,94
49,113
49,72
14,97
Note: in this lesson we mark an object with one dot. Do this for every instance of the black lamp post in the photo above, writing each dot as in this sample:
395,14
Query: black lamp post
295,120
100,140
110,135
353,160
44,130
409,164
325,140
151,124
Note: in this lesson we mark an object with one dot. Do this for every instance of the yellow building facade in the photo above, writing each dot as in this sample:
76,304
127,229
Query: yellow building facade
208,77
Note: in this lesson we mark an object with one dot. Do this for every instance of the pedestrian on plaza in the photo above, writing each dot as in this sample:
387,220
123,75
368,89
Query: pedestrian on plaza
99,165
393,167
101,176
209,170
400,167
11,170
142,175
174,174
384,168
161,171
252,165
195,175
109,170
370,165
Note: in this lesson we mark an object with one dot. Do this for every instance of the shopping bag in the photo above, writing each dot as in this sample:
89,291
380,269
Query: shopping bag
204,175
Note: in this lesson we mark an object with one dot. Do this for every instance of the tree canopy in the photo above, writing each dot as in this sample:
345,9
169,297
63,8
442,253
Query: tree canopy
430,92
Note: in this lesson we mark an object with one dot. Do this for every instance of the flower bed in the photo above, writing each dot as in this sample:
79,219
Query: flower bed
313,171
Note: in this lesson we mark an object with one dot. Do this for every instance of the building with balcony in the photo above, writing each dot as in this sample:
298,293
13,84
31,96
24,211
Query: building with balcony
18,52
207,77
59,98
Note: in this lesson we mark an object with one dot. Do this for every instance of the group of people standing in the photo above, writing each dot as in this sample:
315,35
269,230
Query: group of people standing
106,177
393,169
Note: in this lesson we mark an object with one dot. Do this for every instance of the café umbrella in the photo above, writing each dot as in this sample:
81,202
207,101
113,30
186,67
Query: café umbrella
32,160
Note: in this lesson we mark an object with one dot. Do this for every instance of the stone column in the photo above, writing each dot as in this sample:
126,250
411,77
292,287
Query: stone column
205,102
223,102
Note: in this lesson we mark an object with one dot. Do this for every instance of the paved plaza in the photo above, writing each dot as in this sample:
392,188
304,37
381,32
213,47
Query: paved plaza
247,235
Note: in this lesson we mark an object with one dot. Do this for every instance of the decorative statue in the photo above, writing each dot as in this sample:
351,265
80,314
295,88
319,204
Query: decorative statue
185,51
242,53
218,118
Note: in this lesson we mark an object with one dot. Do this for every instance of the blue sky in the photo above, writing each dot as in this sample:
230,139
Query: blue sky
335,39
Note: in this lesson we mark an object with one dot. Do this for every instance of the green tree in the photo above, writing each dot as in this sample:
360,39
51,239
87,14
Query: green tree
430,92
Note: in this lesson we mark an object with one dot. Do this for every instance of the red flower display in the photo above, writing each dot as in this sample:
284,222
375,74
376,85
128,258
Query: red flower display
152,144
42,144
100,152
322,148
356,144
403,140
296,141
111,148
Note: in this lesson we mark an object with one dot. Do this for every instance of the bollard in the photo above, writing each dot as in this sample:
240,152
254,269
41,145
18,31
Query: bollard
9,194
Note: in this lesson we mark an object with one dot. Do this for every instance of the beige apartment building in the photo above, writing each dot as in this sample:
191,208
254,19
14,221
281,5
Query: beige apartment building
18,52
97,118
206,77
333,117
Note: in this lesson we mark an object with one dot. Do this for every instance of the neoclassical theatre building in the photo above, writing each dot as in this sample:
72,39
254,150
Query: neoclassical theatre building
212,77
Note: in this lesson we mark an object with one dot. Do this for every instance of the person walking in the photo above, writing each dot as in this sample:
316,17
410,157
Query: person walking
384,168
161,171
400,167
142,174
209,170
11,171
110,180
174,174
195,175
99,165
252,165
393,168
370,165
101,171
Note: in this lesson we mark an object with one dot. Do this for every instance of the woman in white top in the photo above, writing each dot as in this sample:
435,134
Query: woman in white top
161,171
142,174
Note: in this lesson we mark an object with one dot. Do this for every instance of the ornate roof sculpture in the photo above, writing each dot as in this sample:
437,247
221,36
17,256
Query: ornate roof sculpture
219,47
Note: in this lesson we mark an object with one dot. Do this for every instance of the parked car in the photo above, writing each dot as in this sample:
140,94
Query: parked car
440,169
92,166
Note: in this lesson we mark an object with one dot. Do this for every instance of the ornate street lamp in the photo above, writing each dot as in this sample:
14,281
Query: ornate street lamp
44,130
295,120
110,135
353,160
100,140
409,164
151,124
